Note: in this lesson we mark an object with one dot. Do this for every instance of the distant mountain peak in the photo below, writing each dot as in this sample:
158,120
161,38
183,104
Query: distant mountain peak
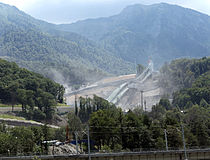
7,6
163,31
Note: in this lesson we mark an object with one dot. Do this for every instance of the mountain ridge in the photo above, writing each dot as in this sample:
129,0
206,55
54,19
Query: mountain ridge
38,46
160,31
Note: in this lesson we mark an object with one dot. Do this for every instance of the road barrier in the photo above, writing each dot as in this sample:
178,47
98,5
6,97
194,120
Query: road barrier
195,154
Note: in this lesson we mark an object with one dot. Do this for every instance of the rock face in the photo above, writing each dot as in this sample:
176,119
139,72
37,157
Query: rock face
63,149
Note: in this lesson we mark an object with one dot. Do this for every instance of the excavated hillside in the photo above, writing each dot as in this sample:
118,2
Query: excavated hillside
128,91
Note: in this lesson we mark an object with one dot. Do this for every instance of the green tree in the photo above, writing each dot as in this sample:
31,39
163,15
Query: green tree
12,89
158,111
24,138
204,104
165,103
104,128
74,122
60,134
46,103
22,98
198,120
134,130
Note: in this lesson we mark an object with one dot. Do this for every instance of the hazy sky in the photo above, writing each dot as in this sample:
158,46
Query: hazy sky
67,11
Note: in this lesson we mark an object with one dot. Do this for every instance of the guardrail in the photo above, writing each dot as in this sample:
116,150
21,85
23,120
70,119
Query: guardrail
192,154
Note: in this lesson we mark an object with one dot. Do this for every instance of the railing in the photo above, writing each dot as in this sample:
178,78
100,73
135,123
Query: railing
103,152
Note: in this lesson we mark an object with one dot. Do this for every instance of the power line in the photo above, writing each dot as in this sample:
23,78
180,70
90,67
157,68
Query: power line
131,127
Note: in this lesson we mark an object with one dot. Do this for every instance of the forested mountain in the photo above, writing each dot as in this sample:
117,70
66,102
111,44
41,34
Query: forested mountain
160,31
64,57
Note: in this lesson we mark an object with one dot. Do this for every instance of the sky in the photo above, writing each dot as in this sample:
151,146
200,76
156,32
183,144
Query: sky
69,11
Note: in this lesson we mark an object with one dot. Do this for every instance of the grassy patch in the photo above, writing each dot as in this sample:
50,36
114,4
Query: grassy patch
7,105
62,105
11,117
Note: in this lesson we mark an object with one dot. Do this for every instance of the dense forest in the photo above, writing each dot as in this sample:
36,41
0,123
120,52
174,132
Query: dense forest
35,93
113,130
137,130
40,47
199,93
182,73
188,81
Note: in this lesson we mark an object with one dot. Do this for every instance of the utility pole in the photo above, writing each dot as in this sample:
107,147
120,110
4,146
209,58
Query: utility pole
142,101
88,132
76,137
86,102
135,68
67,134
185,152
75,105
166,139
145,105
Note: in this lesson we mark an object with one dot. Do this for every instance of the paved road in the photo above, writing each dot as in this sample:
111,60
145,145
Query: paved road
14,122
61,109
8,109
64,109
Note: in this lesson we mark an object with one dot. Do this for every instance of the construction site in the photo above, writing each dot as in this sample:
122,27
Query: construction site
126,91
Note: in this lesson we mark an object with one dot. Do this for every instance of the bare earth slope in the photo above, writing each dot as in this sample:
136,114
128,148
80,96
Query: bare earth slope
131,98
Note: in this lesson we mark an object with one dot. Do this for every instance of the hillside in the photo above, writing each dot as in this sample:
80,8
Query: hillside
35,93
160,31
65,57
182,73
197,94
188,80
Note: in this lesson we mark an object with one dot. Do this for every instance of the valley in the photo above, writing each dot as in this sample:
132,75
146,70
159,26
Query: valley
91,86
